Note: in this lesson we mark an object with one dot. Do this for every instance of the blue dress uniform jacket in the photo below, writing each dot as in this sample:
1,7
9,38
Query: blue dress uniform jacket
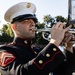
19,58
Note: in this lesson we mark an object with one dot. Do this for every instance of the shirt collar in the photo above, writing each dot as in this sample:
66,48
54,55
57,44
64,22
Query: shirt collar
22,41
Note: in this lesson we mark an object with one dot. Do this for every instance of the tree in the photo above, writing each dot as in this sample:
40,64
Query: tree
7,34
60,19
9,31
49,20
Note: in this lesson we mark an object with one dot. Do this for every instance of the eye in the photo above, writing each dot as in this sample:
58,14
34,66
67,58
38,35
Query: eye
25,21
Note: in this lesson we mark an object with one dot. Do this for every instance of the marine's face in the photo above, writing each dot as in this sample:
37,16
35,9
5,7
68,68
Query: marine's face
26,29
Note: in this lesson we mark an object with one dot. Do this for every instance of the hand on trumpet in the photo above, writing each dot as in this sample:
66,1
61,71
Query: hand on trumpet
68,41
58,32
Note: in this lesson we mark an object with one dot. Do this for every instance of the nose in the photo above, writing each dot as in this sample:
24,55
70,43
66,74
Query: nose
32,23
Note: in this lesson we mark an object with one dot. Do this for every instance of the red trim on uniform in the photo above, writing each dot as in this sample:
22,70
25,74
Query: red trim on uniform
46,61
6,58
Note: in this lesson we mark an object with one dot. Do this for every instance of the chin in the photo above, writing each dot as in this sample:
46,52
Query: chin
32,37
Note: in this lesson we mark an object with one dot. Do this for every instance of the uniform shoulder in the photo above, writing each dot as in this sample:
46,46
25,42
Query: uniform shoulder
6,55
7,46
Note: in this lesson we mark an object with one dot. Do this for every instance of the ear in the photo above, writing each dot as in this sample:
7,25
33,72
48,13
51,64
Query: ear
13,26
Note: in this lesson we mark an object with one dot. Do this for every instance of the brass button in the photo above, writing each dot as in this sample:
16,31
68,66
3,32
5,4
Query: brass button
35,52
47,55
54,49
40,61
25,42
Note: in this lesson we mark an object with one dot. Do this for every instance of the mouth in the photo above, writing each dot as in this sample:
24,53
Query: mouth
32,29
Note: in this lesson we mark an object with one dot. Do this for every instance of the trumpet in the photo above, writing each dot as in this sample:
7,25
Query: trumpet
46,32
49,29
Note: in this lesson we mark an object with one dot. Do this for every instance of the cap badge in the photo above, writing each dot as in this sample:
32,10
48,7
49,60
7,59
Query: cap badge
28,5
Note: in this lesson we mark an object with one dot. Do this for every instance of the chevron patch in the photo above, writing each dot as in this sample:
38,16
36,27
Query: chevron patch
6,58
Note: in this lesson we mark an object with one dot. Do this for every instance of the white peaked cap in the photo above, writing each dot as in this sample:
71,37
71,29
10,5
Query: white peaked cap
19,9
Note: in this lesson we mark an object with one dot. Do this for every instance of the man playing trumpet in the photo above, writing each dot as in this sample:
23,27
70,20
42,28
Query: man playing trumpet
19,58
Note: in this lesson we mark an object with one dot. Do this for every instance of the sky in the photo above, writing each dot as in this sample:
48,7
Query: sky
43,7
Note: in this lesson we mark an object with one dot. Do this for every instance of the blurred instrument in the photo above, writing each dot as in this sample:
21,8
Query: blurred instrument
46,32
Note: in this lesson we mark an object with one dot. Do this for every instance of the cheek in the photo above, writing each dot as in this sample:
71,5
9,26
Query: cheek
21,28
24,30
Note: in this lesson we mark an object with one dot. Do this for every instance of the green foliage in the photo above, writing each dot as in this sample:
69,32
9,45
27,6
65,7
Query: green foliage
49,20
60,19
6,33
9,31
40,25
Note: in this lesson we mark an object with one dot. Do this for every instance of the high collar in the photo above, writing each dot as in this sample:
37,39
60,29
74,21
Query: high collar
22,41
